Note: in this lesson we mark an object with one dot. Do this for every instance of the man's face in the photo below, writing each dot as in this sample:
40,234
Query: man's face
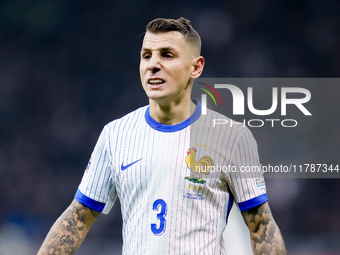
166,66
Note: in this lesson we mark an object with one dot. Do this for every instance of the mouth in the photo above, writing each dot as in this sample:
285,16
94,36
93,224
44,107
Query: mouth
155,82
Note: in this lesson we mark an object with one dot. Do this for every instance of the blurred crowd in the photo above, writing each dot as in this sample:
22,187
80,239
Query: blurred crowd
69,67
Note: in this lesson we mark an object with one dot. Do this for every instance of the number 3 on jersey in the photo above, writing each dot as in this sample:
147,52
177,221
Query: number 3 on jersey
160,216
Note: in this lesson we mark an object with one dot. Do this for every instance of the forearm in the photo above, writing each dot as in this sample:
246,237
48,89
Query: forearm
265,235
69,231
267,240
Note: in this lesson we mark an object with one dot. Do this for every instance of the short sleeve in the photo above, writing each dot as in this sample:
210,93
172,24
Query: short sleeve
247,183
97,189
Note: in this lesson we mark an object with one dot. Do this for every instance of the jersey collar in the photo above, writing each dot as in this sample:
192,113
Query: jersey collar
173,128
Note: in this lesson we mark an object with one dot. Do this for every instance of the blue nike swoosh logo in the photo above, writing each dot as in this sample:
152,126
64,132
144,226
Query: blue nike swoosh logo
127,166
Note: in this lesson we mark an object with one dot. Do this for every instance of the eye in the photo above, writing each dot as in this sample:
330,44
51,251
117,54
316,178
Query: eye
146,56
168,55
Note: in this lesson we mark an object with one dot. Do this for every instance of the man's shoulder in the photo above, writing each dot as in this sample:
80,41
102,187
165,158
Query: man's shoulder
220,122
215,114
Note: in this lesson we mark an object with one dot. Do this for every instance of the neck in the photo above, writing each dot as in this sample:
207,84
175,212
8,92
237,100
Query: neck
172,113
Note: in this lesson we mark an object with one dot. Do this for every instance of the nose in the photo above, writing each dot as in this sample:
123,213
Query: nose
154,64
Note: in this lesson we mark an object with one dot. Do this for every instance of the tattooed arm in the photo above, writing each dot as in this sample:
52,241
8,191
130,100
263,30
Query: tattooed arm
69,231
265,235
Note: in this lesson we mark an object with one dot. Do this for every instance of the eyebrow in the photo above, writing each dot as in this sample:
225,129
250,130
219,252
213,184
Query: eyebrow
160,49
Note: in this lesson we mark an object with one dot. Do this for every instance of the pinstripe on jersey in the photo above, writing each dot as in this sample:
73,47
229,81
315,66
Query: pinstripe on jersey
164,209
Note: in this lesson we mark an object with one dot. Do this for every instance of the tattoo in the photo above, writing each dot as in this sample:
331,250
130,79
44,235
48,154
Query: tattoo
69,231
67,242
264,233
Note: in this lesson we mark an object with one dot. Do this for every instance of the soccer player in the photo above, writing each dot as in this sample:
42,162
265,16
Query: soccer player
160,160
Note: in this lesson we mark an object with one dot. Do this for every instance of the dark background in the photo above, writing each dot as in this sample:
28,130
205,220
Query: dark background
69,67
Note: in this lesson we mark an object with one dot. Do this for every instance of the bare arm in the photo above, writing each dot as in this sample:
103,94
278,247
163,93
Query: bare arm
264,233
69,231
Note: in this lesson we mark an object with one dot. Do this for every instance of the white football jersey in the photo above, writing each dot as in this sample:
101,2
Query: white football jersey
173,182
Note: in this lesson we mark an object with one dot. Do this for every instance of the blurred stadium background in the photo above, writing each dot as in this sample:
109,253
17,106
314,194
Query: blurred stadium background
69,67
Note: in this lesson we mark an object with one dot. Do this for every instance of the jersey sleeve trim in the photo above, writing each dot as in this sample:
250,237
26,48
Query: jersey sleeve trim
246,205
90,203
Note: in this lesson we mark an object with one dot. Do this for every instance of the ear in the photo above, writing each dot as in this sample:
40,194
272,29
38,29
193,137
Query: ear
198,64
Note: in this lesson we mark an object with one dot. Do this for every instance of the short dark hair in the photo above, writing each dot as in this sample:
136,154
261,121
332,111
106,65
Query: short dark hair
182,25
